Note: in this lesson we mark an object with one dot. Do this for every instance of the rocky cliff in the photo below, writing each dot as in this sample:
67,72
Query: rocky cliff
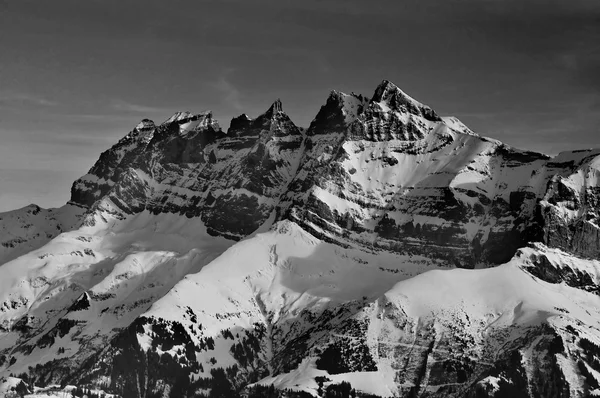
384,249
386,171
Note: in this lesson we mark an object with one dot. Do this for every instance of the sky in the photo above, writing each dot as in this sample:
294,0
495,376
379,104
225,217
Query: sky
75,76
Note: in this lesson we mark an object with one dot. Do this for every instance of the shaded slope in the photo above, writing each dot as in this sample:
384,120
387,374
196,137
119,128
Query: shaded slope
148,293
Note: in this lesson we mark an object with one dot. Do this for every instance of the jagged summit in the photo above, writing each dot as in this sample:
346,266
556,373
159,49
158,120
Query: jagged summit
177,116
273,121
186,122
145,124
275,108
193,262
339,110
239,124
388,91
392,96
186,116
275,111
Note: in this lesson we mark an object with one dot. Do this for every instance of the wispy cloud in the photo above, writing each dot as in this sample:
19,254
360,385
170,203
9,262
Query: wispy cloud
9,98
96,116
125,106
231,94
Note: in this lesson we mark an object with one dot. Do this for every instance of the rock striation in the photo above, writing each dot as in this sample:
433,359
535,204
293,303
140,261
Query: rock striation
384,246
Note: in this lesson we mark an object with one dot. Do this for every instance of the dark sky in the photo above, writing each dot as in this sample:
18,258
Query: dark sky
75,76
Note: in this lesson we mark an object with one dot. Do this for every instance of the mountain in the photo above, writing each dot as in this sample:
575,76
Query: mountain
383,251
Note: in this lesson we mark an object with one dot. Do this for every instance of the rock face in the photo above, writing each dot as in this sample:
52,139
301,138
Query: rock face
570,205
31,227
196,262
188,166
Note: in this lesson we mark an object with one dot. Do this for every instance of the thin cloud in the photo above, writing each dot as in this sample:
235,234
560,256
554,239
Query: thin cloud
15,98
96,116
125,106
231,95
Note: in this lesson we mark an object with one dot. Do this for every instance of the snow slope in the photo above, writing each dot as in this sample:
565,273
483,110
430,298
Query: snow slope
91,281
384,246
28,228
285,285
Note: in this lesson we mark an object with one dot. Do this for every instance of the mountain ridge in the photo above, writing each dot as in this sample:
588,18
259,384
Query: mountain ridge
196,262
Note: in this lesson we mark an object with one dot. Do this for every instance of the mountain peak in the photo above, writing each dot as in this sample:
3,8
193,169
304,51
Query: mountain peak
188,121
177,116
183,244
145,124
339,110
184,117
239,124
386,89
385,83
275,108
393,97
273,120
335,95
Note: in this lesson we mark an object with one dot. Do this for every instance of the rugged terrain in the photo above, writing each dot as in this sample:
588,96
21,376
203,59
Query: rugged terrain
383,251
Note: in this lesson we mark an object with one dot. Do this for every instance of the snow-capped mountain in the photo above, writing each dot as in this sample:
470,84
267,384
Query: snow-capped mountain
384,250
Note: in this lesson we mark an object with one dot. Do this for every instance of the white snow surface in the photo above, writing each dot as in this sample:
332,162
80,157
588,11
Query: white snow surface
122,266
164,266
275,274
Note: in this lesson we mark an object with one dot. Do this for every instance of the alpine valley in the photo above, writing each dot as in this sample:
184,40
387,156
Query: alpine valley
384,251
